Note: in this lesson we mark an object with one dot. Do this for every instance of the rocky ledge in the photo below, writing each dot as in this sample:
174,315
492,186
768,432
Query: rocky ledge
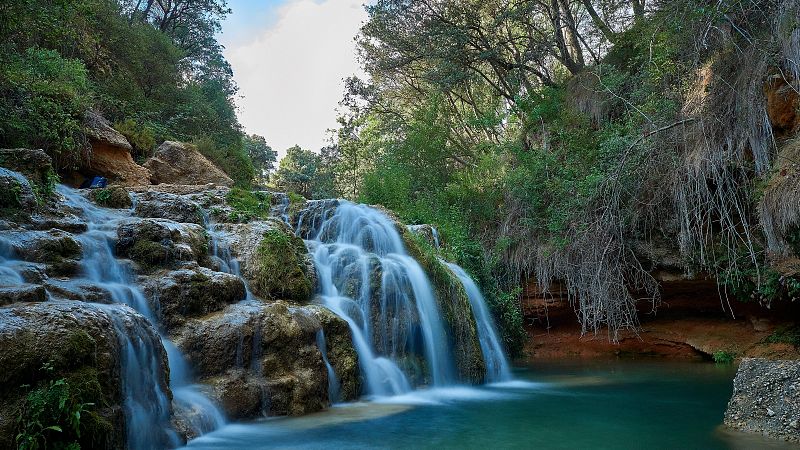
766,399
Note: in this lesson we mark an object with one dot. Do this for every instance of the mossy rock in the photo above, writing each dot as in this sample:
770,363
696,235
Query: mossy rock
454,306
280,267
112,197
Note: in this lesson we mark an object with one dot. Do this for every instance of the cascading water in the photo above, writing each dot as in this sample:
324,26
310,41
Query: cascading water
333,380
144,407
497,367
362,267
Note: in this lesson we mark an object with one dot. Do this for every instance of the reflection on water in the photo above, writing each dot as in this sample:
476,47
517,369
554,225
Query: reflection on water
562,405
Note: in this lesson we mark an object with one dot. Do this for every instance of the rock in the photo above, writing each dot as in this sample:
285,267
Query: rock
782,105
111,153
180,294
180,163
164,205
256,354
64,222
22,293
79,344
275,262
78,290
57,249
34,164
160,242
15,191
766,398
112,197
427,232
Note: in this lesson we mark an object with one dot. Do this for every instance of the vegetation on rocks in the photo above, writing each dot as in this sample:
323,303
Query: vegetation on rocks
281,269
247,205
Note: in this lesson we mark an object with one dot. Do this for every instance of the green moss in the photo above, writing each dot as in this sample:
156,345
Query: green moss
148,252
248,205
296,202
723,357
454,305
280,268
787,334
10,198
113,197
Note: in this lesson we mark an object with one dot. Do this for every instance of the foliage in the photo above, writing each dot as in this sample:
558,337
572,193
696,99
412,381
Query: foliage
231,158
43,97
723,357
787,334
155,69
141,137
262,155
50,416
304,172
248,205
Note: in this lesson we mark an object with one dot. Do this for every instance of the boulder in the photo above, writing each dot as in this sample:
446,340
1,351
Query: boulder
185,293
263,358
15,191
766,399
275,262
159,242
164,205
34,164
180,163
56,249
111,153
78,290
22,293
111,197
70,341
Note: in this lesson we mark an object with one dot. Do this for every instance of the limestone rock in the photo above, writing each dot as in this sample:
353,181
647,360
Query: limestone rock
111,153
164,205
275,262
56,249
263,358
34,164
766,399
79,343
15,191
111,197
159,242
180,163
22,293
184,293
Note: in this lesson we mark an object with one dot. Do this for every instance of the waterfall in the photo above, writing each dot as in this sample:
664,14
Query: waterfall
99,265
497,368
363,267
333,380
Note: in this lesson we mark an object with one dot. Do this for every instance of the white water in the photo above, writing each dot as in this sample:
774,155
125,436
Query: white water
145,399
333,380
349,246
497,367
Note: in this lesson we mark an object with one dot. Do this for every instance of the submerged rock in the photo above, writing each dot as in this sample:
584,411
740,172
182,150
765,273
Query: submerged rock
180,163
766,399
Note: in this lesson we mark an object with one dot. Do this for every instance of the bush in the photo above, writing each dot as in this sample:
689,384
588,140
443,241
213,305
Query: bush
43,98
50,416
723,357
232,159
248,205
141,137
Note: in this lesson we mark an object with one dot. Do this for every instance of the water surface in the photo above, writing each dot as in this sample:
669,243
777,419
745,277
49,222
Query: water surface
566,405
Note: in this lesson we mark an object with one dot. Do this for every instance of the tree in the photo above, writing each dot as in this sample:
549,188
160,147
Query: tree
262,155
297,171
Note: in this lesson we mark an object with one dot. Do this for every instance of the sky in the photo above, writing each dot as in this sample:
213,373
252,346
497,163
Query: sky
289,58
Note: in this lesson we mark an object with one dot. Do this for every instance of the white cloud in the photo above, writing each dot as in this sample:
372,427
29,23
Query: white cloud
290,73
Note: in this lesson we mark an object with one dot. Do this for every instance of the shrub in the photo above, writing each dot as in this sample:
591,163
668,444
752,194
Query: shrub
723,357
248,205
141,137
